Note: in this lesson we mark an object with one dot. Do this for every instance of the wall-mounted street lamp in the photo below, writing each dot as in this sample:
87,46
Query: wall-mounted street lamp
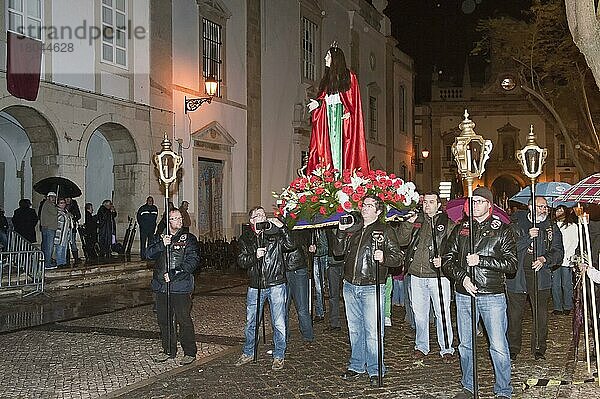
210,87
471,151
532,159
425,153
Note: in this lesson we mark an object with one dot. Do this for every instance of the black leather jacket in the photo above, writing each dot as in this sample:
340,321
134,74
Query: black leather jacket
359,266
271,266
184,259
495,244
298,258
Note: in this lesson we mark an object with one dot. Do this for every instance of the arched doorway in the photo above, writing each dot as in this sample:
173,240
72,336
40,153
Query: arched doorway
110,172
28,153
504,187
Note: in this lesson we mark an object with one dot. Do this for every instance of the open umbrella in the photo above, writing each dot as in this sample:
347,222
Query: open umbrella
587,190
61,186
455,210
551,191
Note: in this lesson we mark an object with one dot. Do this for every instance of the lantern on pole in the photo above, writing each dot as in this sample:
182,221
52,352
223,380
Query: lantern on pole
532,158
471,151
168,163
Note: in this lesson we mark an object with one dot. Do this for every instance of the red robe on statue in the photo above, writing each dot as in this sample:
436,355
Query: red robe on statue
354,148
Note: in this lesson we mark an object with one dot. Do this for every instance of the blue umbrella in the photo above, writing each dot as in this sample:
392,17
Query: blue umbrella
549,190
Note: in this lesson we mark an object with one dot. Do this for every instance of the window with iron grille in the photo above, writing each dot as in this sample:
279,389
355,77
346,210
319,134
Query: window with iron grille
114,32
25,18
372,118
309,57
212,47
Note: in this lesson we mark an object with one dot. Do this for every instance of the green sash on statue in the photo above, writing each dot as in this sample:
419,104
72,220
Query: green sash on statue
334,122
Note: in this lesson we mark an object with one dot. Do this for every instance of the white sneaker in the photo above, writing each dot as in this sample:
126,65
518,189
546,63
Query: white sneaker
388,322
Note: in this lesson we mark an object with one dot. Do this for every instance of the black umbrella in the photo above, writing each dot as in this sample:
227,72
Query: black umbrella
61,186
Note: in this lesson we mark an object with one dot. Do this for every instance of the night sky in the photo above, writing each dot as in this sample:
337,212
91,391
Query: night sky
441,33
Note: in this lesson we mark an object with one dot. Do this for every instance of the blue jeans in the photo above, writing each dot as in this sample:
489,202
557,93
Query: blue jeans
361,311
423,291
277,297
492,310
298,292
61,254
319,278
562,288
398,292
47,245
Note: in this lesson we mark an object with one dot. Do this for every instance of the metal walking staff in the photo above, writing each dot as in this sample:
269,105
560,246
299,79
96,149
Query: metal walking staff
168,163
588,260
377,237
260,244
579,212
532,159
471,151
440,288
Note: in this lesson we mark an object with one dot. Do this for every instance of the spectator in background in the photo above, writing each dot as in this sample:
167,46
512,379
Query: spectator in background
48,225
107,227
73,209
24,220
562,276
63,233
187,221
146,218
3,231
91,232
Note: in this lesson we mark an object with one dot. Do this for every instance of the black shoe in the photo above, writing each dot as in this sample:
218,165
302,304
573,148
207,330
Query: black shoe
333,329
318,319
557,312
539,356
351,375
374,381
567,312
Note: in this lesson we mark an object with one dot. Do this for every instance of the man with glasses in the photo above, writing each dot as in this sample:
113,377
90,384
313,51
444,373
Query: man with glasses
549,253
179,272
262,250
494,257
360,300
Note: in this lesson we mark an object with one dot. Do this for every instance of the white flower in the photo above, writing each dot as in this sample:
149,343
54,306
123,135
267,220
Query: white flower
342,199
356,181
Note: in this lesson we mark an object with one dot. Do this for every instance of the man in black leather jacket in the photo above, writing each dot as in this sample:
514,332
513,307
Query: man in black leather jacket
296,263
261,254
360,256
180,276
494,258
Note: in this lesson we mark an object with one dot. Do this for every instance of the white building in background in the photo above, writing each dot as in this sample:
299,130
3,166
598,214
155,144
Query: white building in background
105,100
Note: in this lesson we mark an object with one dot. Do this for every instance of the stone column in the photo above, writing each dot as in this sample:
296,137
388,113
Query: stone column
253,112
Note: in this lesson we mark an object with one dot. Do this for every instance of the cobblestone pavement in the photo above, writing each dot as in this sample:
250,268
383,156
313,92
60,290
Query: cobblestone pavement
108,355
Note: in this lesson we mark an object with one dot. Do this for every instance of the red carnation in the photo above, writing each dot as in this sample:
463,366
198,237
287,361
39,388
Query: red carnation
347,205
382,196
302,199
337,184
347,190
392,176
319,190
356,197
340,208
314,198
293,215
322,210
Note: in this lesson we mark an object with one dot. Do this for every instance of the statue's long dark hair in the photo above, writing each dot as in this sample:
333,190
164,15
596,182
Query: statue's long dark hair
336,78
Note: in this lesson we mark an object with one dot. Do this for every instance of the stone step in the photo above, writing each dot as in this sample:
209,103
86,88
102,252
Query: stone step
87,275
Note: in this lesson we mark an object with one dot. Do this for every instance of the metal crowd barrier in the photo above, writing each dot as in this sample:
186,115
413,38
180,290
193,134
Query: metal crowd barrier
21,266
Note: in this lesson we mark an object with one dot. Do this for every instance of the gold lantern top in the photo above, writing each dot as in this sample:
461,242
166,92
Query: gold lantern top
167,162
470,150
532,157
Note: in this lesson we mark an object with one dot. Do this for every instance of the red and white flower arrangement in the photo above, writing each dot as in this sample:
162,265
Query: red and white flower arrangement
326,192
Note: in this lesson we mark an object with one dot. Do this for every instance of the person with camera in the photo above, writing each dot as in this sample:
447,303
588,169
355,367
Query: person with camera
262,250
426,234
366,245
179,274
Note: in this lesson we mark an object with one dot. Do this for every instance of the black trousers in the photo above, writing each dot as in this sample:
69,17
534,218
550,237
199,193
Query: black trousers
334,278
181,306
515,310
